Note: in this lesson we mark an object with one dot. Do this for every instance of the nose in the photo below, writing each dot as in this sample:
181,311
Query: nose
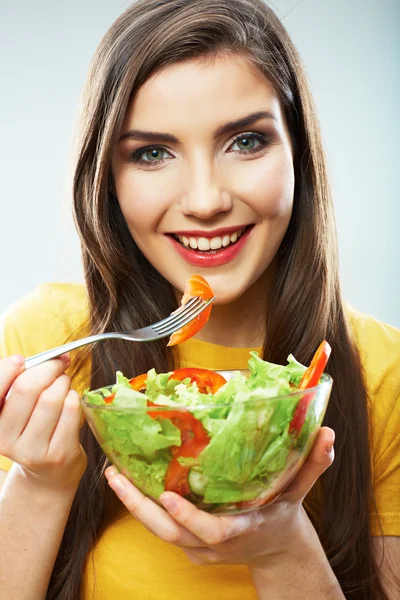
205,197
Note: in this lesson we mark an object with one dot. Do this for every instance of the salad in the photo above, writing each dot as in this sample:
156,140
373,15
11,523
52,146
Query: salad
217,442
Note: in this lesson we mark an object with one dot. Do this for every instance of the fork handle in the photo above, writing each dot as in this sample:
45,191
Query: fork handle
37,359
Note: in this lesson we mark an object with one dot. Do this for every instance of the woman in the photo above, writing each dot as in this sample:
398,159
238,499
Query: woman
198,125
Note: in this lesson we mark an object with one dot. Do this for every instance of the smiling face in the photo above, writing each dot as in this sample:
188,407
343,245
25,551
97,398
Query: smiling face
204,173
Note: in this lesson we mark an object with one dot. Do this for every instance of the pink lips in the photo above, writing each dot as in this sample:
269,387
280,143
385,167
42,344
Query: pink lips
206,259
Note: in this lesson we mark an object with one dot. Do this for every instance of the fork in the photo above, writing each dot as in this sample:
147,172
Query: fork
156,331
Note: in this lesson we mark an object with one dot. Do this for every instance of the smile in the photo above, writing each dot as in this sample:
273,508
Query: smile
205,244
213,250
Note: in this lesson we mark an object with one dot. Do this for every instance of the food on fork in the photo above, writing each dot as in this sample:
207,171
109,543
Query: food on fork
196,286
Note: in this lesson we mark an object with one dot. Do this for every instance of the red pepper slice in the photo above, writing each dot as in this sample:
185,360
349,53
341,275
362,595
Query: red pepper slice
195,286
194,439
310,379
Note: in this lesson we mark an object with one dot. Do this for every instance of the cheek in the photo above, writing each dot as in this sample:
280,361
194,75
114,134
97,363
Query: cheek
143,198
268,186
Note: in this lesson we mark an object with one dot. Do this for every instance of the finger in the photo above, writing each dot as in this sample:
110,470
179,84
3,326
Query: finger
10,368
24,394
66,433
47,411
211,529
152,516
320,458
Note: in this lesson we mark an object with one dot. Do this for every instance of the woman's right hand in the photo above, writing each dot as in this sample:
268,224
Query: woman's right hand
40,422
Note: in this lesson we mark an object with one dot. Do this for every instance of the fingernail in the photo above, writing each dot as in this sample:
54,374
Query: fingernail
110,472
66,358
170,504
329,446
117,485
18,360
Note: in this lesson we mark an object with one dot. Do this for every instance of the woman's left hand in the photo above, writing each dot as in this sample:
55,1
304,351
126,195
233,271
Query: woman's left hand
246,538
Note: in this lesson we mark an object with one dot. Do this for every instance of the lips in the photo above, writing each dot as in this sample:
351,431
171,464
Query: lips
212,257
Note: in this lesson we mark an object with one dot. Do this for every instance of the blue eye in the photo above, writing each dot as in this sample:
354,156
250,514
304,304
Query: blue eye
154,155
248,143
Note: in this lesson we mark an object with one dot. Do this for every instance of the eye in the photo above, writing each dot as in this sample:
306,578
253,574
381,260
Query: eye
151,155
247,143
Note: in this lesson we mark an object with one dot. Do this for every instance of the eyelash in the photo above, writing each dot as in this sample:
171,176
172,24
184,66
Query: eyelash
263,139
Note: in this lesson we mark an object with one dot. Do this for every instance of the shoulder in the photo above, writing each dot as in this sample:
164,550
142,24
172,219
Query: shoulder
379,347
46,317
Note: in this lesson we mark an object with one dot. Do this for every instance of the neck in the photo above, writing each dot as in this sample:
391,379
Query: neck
241,323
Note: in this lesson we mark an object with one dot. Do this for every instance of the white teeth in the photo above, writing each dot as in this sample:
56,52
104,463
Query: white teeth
216,243
205,244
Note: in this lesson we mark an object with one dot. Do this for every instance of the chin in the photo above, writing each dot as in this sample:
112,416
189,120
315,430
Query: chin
227,287
223,297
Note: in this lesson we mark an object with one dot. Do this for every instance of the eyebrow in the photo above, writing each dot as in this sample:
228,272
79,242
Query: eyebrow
156,136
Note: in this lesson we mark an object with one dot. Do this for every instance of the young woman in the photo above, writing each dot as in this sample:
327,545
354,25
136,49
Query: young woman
198,132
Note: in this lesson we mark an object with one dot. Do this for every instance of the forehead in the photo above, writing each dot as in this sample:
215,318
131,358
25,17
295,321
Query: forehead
206,90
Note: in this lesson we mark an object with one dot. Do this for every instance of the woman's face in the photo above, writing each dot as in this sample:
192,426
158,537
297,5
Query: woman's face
204,173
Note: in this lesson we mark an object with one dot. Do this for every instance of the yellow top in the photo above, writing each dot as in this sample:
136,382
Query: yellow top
130,562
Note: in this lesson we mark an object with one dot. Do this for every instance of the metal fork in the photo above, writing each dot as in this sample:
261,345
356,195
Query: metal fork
158,330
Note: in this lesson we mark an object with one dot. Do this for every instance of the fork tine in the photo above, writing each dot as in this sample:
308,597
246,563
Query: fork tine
178,315
177,318
194,313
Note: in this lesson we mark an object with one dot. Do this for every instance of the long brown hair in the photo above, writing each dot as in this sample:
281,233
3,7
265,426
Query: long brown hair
125,291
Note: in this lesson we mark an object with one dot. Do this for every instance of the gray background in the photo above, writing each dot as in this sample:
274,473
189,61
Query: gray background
350,49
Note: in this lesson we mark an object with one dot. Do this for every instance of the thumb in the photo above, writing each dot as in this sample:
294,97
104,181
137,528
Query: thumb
320,458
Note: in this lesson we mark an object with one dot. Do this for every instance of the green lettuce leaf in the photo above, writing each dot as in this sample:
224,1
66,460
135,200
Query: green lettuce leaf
268,375
254,421
148,476
160,384
134,431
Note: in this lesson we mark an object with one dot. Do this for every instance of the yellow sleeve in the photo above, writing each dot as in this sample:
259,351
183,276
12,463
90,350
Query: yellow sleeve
386,519
379,346
5,463
47,317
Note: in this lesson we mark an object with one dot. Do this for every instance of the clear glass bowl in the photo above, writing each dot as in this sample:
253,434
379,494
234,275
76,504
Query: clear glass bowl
254,460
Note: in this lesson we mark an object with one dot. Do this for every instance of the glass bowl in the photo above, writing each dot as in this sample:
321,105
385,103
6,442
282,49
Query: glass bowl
252,455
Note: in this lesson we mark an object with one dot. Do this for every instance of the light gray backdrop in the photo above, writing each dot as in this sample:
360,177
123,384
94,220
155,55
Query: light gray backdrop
351,50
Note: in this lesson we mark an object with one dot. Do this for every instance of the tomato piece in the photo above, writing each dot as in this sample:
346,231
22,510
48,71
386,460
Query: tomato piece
139,383
176,479
207,381
188,425
195,286
109,399
310,379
